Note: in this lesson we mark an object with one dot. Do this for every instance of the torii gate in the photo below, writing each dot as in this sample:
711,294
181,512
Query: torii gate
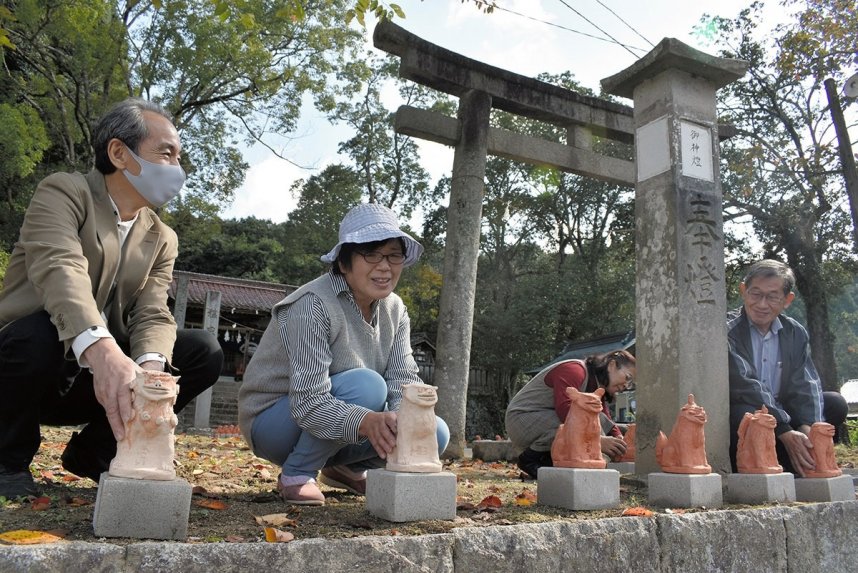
680,288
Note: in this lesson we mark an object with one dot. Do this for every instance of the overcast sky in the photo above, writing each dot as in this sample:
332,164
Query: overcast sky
529,37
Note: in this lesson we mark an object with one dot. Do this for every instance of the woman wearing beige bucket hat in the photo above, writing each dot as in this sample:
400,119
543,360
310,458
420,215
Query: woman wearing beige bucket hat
324,385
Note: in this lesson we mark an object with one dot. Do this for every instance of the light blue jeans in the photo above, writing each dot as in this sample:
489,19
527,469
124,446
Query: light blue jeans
277,438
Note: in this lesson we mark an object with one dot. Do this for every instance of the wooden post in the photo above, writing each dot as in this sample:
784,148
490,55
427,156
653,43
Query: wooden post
847,159
203,402
180,309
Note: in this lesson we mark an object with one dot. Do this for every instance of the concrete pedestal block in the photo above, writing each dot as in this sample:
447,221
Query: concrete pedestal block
493,450
838,488
400,496
142,508
622,467
578,489
685,490
760,488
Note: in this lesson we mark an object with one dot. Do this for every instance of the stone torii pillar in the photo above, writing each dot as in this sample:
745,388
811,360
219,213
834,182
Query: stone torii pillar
680,311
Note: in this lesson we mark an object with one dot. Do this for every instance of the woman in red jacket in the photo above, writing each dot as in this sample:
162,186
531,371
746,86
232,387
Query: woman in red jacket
536,411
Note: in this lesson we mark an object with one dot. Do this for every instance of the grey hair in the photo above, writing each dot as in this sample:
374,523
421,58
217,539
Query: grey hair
124,121
768,268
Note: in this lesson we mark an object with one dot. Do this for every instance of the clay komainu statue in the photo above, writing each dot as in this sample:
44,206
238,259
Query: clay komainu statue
756,453
822,438
631,449
577,443
148,448
416,447
684,452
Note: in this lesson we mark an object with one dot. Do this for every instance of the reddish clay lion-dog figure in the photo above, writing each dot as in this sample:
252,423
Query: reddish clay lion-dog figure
631,449
684,452
822,438
755,453
577,443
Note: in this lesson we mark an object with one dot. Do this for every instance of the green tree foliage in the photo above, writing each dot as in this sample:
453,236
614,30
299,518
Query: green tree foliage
782,168
230,72
313,227
387,162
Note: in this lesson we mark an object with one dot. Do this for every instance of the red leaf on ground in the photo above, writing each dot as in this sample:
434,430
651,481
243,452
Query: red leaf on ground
490,501
40,503
210,504
47,474
638,512
70,478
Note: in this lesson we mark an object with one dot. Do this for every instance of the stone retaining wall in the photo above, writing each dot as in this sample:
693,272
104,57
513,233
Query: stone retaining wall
811,538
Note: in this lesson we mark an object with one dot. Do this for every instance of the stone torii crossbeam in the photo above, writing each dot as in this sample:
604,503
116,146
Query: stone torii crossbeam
691,75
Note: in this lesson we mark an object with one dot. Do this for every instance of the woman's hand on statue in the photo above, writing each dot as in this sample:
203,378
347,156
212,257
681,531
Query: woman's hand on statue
798,448
380,429
112,375
613,447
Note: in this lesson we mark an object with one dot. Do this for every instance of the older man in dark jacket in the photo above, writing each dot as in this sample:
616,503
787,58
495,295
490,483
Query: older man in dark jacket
770,364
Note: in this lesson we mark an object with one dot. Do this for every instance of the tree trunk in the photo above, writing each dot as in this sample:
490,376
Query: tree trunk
815,296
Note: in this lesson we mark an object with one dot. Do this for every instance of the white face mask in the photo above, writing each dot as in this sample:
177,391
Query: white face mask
157,183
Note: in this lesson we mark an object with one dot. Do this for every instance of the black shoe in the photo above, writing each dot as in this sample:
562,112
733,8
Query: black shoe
16,483
530,461
85,459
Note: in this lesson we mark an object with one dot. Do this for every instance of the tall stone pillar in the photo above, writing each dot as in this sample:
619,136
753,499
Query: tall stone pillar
456,309
680,311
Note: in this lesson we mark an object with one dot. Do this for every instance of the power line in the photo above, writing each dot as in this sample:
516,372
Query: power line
610,41
598,28
632,28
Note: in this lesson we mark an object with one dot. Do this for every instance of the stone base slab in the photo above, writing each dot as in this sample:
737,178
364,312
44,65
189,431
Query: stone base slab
142,508
401,496
578,489
685,490
622,467
760,488
840,488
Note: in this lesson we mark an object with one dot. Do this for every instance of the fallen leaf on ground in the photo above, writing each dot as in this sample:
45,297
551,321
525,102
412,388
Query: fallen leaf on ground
490,501
77,501
70,478
27,537
525,498
638,512
48,475
40,503
275,520
276,536
210,504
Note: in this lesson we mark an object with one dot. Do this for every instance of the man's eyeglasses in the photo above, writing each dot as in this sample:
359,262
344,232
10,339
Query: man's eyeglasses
755,296
374,257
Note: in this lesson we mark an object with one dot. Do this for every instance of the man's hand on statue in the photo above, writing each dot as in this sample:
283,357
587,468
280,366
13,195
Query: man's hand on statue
380,429
613,447
112,375
798,448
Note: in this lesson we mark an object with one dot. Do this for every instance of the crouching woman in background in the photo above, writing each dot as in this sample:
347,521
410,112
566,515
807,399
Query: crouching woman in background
538,409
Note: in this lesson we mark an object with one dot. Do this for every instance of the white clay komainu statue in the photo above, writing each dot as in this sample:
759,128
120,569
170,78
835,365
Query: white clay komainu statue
148,448
416,447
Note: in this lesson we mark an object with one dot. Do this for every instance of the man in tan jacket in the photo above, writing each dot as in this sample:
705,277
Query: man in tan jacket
84,303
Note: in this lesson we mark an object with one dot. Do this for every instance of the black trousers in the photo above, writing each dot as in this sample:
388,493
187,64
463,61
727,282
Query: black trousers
38,385
834,411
